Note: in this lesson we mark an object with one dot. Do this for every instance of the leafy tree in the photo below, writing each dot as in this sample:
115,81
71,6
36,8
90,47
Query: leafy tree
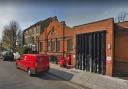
10,35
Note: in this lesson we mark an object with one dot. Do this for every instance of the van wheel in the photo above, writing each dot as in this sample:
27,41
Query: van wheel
29,72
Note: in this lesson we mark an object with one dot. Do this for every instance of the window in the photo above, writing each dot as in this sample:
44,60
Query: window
32,30
32,39
37,30
49,46
69,45
53,32
26,42
27,39
58,46
53,45
41,46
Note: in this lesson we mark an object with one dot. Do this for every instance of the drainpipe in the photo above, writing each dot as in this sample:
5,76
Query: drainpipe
63,23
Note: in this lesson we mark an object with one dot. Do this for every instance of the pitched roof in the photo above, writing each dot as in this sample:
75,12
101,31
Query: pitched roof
44,23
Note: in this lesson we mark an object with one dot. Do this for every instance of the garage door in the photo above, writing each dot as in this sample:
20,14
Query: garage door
91,52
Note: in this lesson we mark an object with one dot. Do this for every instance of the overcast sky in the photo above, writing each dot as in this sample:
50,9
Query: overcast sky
28,12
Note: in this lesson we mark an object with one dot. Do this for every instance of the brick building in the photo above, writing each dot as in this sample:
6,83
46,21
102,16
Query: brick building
95,47
121,48
31,34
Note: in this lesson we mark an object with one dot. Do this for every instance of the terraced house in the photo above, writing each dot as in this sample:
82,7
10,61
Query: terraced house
99,47
32,34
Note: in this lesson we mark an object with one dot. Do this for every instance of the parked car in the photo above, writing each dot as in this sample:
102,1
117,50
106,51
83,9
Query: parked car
16,56
7,56
33,63
1,55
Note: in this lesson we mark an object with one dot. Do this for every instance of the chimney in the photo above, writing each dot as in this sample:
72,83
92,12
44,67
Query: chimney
63,22
54,18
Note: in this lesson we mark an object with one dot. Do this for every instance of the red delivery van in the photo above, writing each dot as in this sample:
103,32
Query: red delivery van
33,63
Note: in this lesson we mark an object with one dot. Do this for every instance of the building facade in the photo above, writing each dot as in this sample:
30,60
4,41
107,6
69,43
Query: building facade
121,48
32,34
94,47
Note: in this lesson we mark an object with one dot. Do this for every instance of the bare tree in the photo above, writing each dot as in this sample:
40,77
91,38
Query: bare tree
10,35
122,16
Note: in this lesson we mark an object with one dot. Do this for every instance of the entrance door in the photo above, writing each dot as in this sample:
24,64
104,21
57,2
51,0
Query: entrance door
91,52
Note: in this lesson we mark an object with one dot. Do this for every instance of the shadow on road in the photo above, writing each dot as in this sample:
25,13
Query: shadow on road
56,75
46,76
61,74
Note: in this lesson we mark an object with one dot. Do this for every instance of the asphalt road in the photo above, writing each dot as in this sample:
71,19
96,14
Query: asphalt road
12,78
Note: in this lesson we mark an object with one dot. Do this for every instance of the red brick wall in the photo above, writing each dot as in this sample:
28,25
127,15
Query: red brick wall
99,26
121,48
62,33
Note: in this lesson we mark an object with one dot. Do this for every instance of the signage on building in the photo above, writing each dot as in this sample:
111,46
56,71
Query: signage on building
109,59
74,56
109,46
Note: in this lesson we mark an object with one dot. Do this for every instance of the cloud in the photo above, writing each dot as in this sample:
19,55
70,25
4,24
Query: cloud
79,14
21,14
74,13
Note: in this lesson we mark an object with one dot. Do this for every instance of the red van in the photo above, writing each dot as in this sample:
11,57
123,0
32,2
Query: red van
33,63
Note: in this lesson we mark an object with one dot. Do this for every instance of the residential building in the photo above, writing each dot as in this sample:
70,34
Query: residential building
31,35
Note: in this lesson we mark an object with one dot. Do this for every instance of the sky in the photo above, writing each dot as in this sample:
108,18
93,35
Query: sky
73,12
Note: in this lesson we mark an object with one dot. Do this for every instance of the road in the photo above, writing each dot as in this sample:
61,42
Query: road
12,78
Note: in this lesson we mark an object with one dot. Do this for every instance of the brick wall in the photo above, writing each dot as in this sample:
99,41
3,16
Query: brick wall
106,25
56,31
121,48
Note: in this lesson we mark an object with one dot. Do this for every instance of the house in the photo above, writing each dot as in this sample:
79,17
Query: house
32,34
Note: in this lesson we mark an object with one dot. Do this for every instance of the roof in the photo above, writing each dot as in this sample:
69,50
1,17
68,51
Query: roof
32,25
122,22
122,25
94,22
39,22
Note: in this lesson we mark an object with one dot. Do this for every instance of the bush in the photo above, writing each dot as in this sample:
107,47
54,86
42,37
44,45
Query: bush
24,50
53,59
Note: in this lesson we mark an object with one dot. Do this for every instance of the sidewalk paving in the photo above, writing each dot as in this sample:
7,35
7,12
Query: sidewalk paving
87,79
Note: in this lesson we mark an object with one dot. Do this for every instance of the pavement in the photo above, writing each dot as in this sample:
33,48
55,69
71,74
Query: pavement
12,78
87,79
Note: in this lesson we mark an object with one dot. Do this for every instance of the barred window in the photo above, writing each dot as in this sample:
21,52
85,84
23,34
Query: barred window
69,45
49,46
41,46
58,46
53,45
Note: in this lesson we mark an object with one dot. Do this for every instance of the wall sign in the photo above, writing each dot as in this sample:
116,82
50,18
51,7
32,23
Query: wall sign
74,56
109,46
109,59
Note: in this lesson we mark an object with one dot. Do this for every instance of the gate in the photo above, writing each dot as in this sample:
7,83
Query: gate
91,52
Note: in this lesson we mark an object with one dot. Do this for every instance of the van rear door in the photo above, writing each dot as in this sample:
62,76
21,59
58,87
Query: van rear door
40,63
